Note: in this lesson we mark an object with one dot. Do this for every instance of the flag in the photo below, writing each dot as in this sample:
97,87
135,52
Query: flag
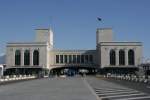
99,19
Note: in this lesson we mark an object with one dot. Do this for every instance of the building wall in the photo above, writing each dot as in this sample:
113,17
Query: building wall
1,69
53,54
105,47
44,35
104,35
41,47
44,44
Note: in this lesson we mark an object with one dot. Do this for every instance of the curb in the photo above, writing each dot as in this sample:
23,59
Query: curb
91,89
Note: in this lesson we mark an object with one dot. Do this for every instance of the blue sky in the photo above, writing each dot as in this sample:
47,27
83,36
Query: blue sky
74,22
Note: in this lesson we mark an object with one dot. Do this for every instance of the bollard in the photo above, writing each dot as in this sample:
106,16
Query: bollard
145,81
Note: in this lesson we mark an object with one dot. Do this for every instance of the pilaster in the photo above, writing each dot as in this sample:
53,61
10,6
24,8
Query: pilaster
31,57
117,57
126,56
22,57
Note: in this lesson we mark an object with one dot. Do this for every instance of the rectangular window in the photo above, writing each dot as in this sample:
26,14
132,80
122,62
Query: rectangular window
78,58
61,59
91,59
65,58
70,58
74,59
86,58
57,58
82,58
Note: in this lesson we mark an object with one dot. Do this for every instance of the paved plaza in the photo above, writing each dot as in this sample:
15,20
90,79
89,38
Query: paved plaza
74,88
48,89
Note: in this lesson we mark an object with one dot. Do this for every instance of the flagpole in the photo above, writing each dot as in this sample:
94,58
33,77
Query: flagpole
99,19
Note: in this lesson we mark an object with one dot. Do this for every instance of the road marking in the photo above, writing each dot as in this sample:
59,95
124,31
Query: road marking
107,90
122,95
148,86
114,90
135,98
91,89
121,88
117,93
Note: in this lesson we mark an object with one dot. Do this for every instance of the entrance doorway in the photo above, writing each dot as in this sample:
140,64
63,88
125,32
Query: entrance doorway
73,71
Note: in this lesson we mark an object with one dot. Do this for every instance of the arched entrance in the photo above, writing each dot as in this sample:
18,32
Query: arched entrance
73,70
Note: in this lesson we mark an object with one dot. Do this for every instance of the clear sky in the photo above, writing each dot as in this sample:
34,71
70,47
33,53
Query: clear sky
74,22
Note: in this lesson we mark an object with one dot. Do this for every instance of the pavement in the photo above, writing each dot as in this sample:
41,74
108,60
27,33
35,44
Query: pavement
140,86
49,89
75,88
108,89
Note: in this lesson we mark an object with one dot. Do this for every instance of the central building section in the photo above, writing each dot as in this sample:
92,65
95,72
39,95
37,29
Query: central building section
78,58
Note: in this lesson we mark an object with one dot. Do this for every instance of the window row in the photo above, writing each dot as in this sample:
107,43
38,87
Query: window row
27,57
131,57
74,58
146,67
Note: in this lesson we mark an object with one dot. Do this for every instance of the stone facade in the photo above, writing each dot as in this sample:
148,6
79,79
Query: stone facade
42,47
73,58
51,58
105,47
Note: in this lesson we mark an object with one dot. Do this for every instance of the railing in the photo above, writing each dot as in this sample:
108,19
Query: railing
16,77
132,78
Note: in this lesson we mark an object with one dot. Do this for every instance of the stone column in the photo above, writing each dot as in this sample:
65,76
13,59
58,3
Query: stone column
54,59
117,57
80,58
31,57
71,59
13,57
136,60
22,57
76,58
67,59
126,57
59,59
107,56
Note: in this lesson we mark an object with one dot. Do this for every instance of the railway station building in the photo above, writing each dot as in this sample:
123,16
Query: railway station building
109,56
